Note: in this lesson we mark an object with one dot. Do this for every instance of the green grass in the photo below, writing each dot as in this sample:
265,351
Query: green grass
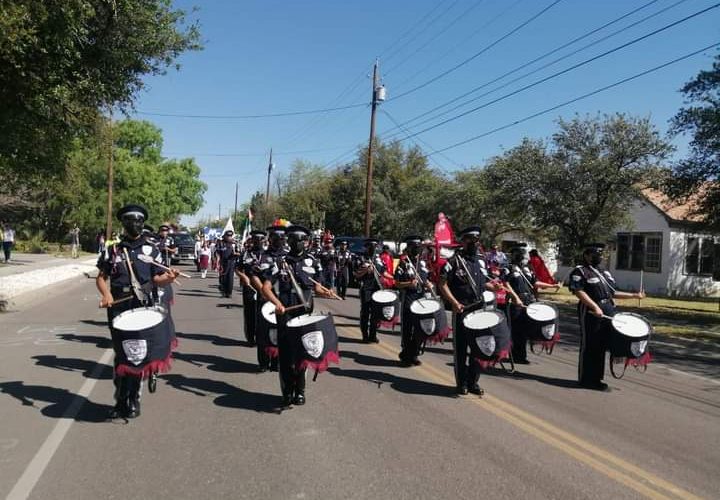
696,319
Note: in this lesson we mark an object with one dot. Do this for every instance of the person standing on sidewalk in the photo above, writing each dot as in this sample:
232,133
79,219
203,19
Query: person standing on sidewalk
8,240
75,241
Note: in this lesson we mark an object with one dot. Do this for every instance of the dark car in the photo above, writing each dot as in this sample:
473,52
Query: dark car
185,245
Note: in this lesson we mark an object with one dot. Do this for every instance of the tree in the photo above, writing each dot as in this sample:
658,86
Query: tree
62,61
596,170
700,172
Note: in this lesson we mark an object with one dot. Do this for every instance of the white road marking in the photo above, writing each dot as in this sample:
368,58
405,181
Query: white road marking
40,461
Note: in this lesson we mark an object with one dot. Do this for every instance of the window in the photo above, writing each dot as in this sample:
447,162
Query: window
699,256
636,251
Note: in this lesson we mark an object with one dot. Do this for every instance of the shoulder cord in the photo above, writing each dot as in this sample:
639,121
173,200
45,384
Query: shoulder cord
602,278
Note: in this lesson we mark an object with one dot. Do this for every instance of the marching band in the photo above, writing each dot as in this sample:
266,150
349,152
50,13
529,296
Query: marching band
495,309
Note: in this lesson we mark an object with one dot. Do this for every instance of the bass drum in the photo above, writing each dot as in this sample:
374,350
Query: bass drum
315,341
542,325
386,307
628,343
488,336
142,340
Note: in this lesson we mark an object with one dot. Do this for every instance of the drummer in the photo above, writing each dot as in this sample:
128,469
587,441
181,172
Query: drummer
595,288
113,264
296,272
460,289
411,277
369,271
250,267
524,283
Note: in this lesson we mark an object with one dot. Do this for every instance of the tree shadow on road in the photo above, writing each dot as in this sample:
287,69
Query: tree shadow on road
62,403
229,395
400,384
214,339
101,342
89,369
216,363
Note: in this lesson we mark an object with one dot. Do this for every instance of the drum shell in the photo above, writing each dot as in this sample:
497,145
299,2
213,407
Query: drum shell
500,332
326,327
534,327
265,332
378,308
620,345
158,344
438,316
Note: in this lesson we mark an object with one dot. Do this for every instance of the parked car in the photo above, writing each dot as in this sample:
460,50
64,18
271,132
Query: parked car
185,245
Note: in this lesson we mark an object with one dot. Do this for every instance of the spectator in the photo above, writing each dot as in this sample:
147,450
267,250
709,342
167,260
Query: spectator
496,257
537,264
74,241
387,259
100,242
8,240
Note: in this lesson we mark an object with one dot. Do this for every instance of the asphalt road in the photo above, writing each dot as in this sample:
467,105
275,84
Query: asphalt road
370,430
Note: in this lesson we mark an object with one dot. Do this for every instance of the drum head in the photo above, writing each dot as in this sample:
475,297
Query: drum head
482,320
631,325
384,296
268,312
425,306
305,319
138,319
488,296
541,312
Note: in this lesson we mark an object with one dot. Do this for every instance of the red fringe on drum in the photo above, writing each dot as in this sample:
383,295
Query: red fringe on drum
322,365
440,336
641,361
272,351
157,366
547,345
389,325
488,363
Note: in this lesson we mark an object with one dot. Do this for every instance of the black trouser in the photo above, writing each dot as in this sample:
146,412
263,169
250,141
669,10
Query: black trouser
7,248
467,370
368,322
227,281
342,281
249,311
594,335
518,328
127,389
292,380
410,337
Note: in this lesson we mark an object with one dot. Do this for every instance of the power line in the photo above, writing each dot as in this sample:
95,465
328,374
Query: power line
539,58
258,154
477,54
260,115
574,100
566,70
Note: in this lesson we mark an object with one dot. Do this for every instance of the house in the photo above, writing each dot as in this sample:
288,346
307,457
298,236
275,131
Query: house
676,254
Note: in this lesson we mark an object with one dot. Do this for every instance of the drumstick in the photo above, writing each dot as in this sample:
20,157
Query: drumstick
124,299
150,260
327,290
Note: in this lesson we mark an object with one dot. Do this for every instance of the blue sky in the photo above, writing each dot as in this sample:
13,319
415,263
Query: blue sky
272,56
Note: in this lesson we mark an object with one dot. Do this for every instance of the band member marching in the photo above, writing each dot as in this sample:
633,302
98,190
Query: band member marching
343,263
462,282
524,283
596,290
289,284
228,254
138,354
369,271
251,267
412,278
328,263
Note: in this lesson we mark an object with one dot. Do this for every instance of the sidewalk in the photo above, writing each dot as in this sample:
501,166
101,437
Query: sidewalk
30,272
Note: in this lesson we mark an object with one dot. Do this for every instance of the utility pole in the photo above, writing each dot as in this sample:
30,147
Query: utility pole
368,184
267,190
219,209
108,223
236,193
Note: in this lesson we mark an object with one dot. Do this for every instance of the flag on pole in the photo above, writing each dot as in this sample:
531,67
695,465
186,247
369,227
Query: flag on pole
229,226
248,225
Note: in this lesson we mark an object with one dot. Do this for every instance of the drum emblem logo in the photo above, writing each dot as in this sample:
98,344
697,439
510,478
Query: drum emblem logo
638,348
135,350
147,249
314,343
548,331
272,334
388,312
427,325
486,343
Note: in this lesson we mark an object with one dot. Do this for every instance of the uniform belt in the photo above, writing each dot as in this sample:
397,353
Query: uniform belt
121,289
604,301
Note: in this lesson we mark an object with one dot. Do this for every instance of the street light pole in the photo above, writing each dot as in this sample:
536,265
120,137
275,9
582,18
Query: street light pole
109,220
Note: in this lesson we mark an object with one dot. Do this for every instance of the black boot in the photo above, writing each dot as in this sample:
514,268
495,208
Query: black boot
121,398
299,398
133,405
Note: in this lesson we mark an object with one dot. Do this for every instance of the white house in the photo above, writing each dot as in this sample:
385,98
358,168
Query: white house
676,255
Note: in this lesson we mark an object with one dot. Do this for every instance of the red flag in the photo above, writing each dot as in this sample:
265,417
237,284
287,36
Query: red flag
444,239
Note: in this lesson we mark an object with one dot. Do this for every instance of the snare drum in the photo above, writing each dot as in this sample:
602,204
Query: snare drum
315,341
142,341
488,336
386,307
266,335
429,318
542,321
629,339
